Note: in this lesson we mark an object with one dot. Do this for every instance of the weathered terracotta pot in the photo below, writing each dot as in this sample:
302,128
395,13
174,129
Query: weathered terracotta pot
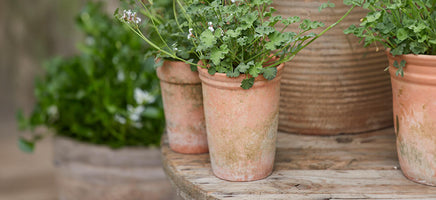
335,85
414,98
183,107
91,172
241,125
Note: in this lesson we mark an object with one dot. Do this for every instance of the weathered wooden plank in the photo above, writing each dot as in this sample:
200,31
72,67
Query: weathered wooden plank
360,166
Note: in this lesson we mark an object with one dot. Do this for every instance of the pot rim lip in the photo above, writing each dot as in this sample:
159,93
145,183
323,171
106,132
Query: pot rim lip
410,56
223,77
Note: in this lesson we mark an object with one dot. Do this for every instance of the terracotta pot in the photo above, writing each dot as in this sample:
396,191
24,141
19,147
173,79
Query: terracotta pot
183,107
414,98
91,172
335,85
241,125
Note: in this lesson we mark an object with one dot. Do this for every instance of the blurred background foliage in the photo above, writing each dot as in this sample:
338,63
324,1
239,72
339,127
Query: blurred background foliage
107,93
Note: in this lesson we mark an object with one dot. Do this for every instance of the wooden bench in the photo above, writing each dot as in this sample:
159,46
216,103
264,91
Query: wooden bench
361,166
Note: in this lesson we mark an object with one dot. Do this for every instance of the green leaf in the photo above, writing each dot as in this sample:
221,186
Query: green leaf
218,54
207,39
233,33
152,112
26,145
255,70
402,34
242,67
291,20
211,70
371,17
247,83
269,73
23,123
326,5
235,73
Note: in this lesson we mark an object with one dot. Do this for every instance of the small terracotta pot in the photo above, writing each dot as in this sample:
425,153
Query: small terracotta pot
414,99
183,107
241,125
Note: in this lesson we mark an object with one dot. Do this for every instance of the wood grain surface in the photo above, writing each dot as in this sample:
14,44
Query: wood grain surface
362,166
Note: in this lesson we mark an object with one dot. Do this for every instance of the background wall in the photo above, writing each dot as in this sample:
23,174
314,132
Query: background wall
30,32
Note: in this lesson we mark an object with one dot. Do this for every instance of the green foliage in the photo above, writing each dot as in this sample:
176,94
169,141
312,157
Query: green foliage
406,27
165,29
241,37
107,95
238,36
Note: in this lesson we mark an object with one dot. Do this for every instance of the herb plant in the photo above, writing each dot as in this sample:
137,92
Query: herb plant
240,37
164,29
404,26
108,94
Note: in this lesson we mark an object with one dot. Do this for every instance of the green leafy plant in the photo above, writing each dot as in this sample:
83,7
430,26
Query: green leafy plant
240,37
164,27
108,94
403,26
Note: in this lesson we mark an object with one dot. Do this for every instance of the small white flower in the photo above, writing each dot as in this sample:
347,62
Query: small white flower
120,119
52,112
135,112
233,1
176,49
190,34
130,17
211,26
120,76
142,97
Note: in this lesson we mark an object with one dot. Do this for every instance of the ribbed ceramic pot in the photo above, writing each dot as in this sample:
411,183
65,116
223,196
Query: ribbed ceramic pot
92,172
183,107
414,100
335,85
241,125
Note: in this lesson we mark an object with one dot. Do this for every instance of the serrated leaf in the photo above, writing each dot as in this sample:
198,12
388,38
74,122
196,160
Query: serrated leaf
371,17
242,67
255,70
242,40
218,54
269,73
235,73
326,5
211,70
402,34
26,145
247,83
291,20
207,39
233,33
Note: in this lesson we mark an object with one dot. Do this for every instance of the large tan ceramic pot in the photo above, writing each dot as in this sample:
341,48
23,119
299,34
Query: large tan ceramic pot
335,85
183,107
414,98
92,172
241,125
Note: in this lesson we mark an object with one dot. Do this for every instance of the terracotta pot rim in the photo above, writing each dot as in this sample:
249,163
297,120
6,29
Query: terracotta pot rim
177,76
420,59
223,77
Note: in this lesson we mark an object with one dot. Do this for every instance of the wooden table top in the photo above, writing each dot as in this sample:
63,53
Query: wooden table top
362,166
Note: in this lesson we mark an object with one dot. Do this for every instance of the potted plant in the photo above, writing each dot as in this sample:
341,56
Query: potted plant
408,31
180,84
242,56
103,106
